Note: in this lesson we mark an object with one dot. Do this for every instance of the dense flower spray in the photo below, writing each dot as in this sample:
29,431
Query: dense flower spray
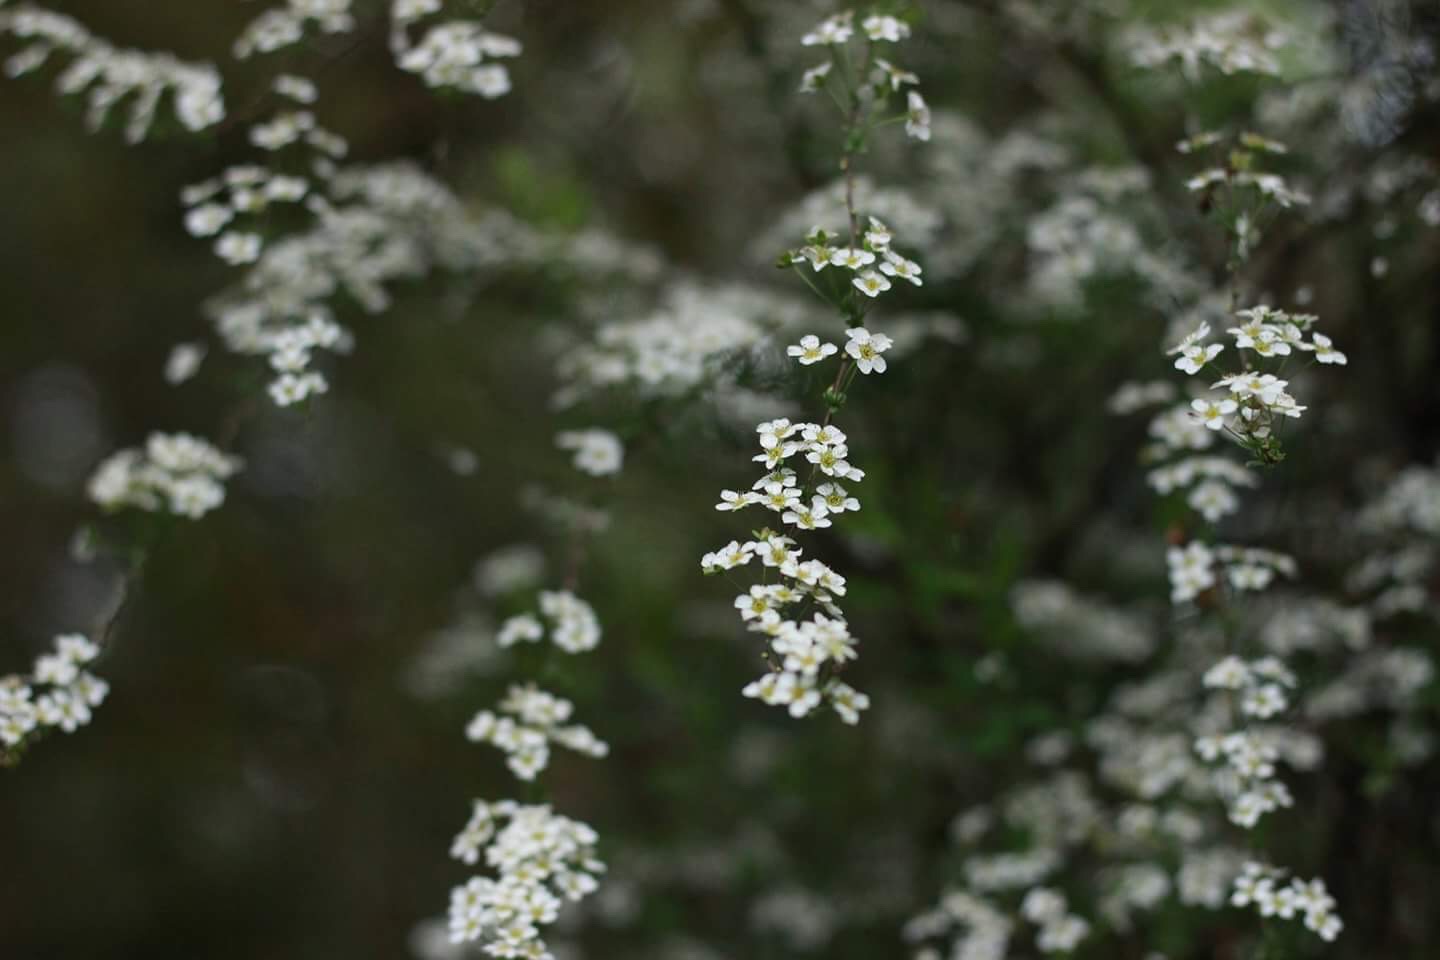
363,233
808,476
537,858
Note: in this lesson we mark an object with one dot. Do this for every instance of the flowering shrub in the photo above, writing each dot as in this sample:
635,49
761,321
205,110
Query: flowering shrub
1091,383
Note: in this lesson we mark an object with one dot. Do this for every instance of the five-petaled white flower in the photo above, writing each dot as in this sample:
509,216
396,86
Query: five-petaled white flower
1325,352
871,284
885,28
852,257
1213,412
895,265
810,350
866,349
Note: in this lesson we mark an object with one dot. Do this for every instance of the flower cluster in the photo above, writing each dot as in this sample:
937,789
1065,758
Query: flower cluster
1249,784
1060,930
1246,406
873,263
805,654
1235,185
1193,568
174,473
276,29
681,346
808,641
108,75
454,54
1234,730
58,693
540,859
1077,627
1229,41
537,722
977,930
877,79
1258,886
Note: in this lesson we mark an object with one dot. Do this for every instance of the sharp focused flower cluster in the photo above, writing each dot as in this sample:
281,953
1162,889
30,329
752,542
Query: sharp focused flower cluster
805,653
1247,405
873,264
540,859
57,694
808,641
456,54
174,473
107,74
536,719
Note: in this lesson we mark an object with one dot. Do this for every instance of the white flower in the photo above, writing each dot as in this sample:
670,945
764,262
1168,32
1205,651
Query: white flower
540,859
1325,351
917,117
879,235
732,500
847,701
184,361
1213,413
866,349
296,88
810,81
1264,701
885,28
574,626
727,557
597,452
895,265
852,257
237,248
1190,570
810,350
1062,935
813,517
291,388
1213,499
1193,358
1193,353
832,31
178,473
871,284
1231,673
208,219
525,627
837,500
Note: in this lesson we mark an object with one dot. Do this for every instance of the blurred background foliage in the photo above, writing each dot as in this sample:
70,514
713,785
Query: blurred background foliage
269,778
